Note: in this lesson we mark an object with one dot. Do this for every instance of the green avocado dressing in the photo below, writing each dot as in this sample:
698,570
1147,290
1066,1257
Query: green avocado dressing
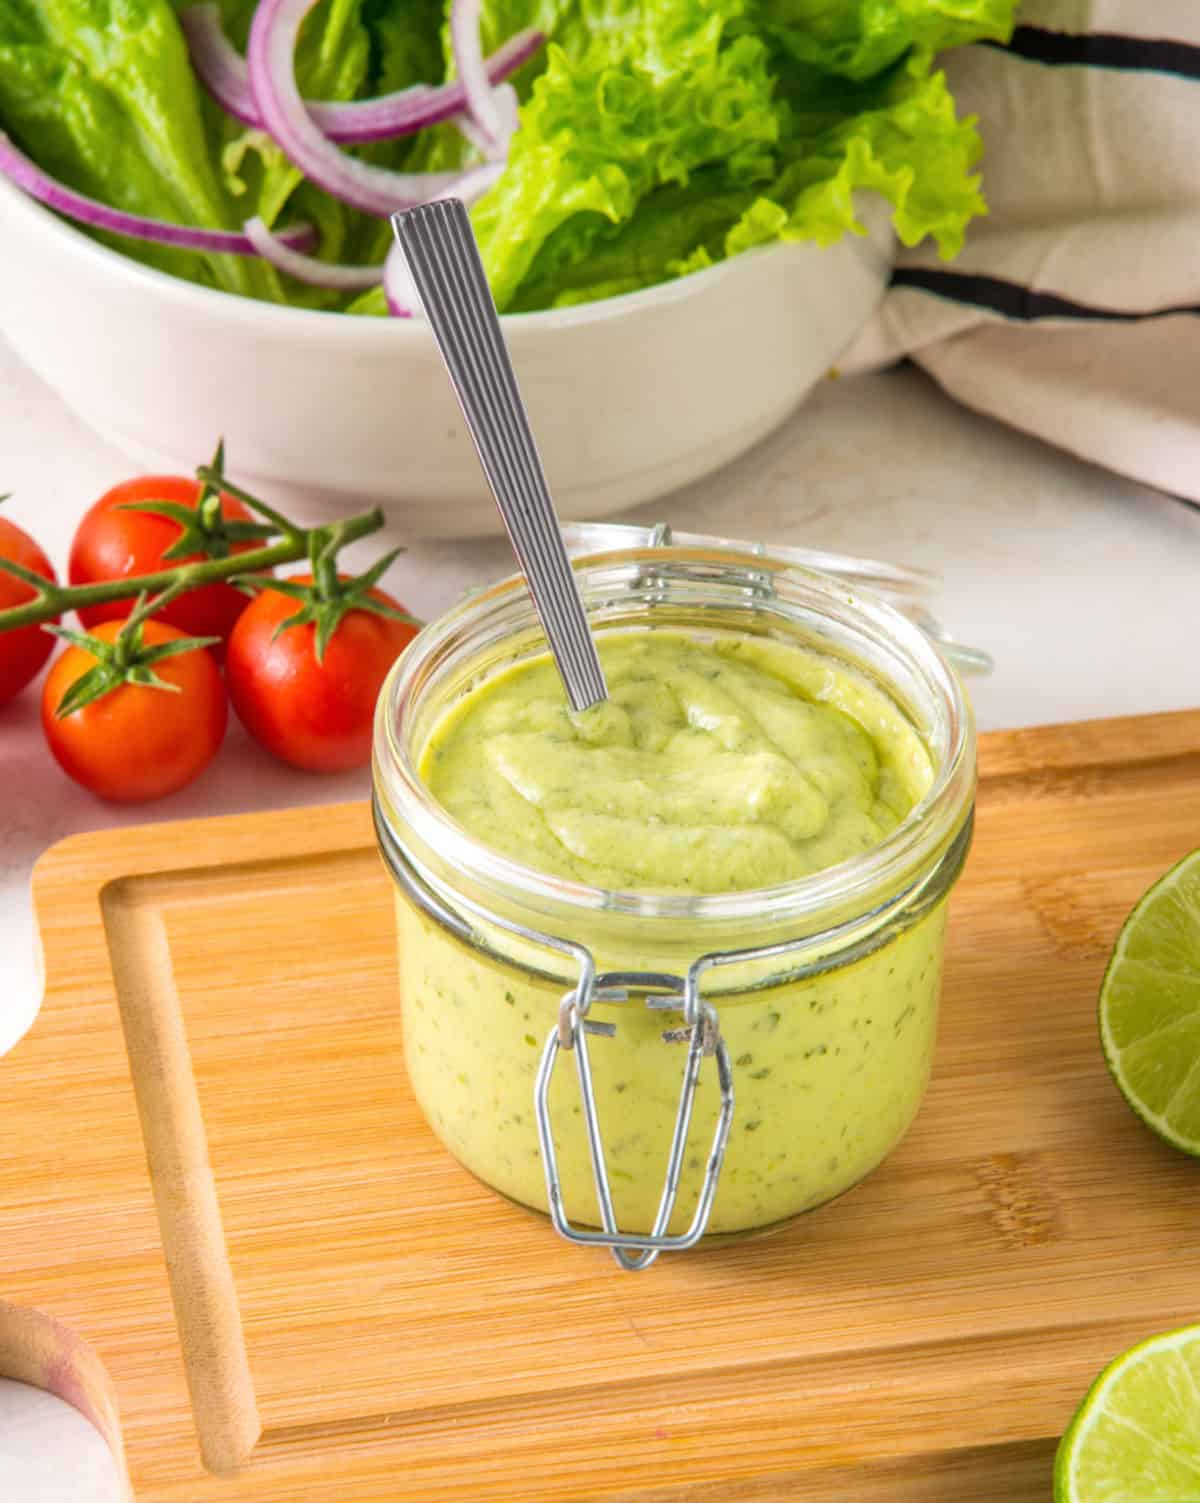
718,763
721,763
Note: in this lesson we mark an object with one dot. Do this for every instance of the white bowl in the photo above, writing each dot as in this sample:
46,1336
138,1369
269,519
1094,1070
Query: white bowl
630,397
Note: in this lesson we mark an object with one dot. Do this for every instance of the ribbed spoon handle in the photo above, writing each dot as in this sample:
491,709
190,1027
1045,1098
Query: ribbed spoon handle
444,261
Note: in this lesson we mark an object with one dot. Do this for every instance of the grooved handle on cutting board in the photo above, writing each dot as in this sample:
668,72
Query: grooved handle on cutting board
185,1196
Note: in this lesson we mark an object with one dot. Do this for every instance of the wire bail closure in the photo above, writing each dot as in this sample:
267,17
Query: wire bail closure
701,1031
663,992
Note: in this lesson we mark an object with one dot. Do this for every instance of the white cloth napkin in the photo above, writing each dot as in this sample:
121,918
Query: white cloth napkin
1073,311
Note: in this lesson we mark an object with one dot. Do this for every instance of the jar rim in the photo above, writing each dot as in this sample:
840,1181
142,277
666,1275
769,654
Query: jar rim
791,592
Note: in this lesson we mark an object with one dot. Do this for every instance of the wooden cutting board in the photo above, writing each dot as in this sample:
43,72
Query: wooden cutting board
212,1174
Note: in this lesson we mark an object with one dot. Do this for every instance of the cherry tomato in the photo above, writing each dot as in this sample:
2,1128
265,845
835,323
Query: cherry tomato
23,651
138,742
113,544
315,715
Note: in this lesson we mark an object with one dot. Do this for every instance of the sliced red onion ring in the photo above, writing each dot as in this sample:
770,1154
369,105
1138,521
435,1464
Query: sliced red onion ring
468,64
55,195
375,190
222,70
307,268
508,107
403,299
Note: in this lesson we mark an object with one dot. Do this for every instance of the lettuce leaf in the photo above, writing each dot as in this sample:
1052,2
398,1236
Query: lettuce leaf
613,184
678,228
652,96
908,145
405,43
859,39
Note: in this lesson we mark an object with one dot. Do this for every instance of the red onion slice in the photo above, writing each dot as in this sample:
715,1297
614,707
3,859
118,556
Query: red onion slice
307,268
222,70
374,190
403,299
508,109
468,64
55,195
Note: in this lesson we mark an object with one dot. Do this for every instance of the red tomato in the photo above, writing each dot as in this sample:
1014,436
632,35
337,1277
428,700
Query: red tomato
114,544
315,715
138,742
22,652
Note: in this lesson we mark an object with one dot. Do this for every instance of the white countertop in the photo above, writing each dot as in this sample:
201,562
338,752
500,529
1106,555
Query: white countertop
1082,585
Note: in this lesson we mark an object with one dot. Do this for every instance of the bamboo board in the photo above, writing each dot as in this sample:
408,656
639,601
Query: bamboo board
214,1178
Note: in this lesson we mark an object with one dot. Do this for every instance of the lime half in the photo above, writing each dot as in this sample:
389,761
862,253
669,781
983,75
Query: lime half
1150,1008
1136,1436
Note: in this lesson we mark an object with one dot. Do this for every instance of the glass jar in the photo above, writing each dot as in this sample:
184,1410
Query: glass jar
739,1057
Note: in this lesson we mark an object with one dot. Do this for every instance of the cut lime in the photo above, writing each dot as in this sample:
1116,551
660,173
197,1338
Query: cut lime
1150,1007
1136,1436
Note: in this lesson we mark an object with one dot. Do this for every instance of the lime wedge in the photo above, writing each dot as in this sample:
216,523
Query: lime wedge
1150,1008
1136,1436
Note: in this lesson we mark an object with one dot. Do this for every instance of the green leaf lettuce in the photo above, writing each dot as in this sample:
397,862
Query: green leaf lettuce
673,136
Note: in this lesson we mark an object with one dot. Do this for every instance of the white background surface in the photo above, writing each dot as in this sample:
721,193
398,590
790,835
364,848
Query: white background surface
1081,584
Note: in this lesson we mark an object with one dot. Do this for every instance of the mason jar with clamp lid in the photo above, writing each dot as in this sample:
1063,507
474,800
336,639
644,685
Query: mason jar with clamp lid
649,1063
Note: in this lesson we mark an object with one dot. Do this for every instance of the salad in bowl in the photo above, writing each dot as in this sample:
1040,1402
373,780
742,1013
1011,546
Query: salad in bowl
686,210
606,145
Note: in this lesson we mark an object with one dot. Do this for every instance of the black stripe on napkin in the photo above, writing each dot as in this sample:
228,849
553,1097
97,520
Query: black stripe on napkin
1101,49
1012,300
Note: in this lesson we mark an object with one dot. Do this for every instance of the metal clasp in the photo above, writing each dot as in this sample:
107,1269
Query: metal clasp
760,586
701,1032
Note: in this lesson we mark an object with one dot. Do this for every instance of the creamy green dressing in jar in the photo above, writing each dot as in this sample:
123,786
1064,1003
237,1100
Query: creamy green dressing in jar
774,803
717,763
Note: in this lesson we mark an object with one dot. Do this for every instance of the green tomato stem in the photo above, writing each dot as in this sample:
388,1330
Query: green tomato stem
52,600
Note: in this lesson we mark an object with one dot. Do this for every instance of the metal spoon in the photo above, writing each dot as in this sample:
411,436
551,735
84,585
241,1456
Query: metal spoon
438,242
